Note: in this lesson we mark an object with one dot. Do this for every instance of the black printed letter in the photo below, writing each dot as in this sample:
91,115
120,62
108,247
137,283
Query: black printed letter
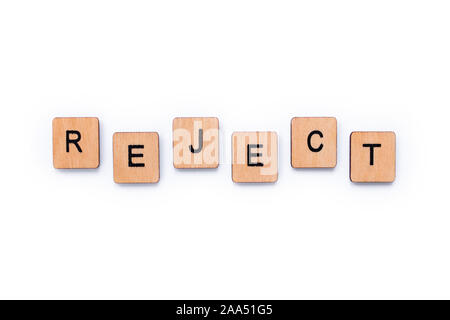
135,155
200,142
249,155
371,146
309,141
74,141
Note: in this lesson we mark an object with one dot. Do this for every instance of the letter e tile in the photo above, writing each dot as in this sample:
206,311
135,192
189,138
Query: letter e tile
255,157
136,157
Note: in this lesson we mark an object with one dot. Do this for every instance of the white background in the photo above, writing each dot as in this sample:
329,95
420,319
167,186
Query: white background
374,65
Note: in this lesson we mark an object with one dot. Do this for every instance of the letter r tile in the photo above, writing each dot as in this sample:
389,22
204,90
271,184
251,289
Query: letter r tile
76,143
136,157
372,156
195,143
255,156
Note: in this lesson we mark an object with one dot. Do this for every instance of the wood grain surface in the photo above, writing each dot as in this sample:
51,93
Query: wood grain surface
380,167
195,142
136,157
83,152
313,142
255,157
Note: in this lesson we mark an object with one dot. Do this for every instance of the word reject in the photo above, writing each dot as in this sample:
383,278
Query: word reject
196,146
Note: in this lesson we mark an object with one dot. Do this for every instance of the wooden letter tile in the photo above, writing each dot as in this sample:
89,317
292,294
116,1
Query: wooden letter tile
136,157
372,156
313,142
76,143
195,143
255,157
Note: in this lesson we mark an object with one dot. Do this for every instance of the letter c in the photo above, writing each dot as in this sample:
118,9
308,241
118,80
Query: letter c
309,141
